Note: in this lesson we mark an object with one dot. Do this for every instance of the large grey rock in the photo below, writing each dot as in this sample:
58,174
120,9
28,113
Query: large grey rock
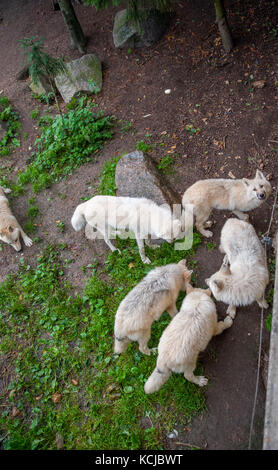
42,87
130,34
81,75
137,176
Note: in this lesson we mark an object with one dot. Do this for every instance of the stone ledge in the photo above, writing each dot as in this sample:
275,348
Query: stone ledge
271,407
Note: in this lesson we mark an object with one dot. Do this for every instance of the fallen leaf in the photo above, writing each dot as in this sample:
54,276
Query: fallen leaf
231,175
75,382
56,397
15,412
259,84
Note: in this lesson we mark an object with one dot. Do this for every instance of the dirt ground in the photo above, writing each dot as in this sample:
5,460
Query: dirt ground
238,133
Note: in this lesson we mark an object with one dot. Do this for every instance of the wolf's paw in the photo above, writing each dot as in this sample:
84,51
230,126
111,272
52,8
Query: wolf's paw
145,350
228,321
201,380
27,241
208,223
231,311
207,233
146,260
263,304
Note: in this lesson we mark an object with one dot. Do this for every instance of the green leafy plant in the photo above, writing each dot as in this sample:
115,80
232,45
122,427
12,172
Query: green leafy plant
268,322
34,113
65,145
10,120
143,146
107,184
166,164
32,213
192,130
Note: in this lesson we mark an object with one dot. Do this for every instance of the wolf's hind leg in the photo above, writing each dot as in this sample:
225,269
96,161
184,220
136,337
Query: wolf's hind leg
201,222
196,379
262,303
231,311
140,243
143,342
223,325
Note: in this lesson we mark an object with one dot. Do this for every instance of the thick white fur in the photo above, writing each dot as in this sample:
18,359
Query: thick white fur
141,216
243,276
155,293
238,196
188,333
10,230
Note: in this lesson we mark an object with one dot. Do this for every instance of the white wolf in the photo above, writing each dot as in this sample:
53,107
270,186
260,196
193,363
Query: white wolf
238,195
10,230
140,216
243,276
188,333
155,293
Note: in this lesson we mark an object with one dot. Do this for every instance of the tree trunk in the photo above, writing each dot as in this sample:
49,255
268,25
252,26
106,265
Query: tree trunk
223,26
77,37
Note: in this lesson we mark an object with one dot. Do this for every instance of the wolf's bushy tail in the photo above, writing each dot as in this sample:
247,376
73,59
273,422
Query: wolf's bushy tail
78,220
156,380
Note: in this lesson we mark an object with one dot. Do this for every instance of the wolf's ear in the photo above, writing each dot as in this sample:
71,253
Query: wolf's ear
259,175
219,284
189,288
246,181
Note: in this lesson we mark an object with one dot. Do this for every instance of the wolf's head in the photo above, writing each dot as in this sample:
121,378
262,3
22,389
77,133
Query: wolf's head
11,235
190,288
258,188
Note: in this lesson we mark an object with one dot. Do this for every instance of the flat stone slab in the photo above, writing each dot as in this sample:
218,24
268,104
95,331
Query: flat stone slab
137,176
81,75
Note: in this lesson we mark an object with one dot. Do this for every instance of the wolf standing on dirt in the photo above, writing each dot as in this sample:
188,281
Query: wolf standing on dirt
155,293
141,216
239,196
185,337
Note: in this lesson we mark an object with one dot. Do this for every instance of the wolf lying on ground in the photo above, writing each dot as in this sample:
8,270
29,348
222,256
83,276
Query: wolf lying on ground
155,293
239,196
10,230
243,276
185,337
141,216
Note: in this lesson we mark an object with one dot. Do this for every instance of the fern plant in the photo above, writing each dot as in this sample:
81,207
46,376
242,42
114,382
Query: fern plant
41,64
